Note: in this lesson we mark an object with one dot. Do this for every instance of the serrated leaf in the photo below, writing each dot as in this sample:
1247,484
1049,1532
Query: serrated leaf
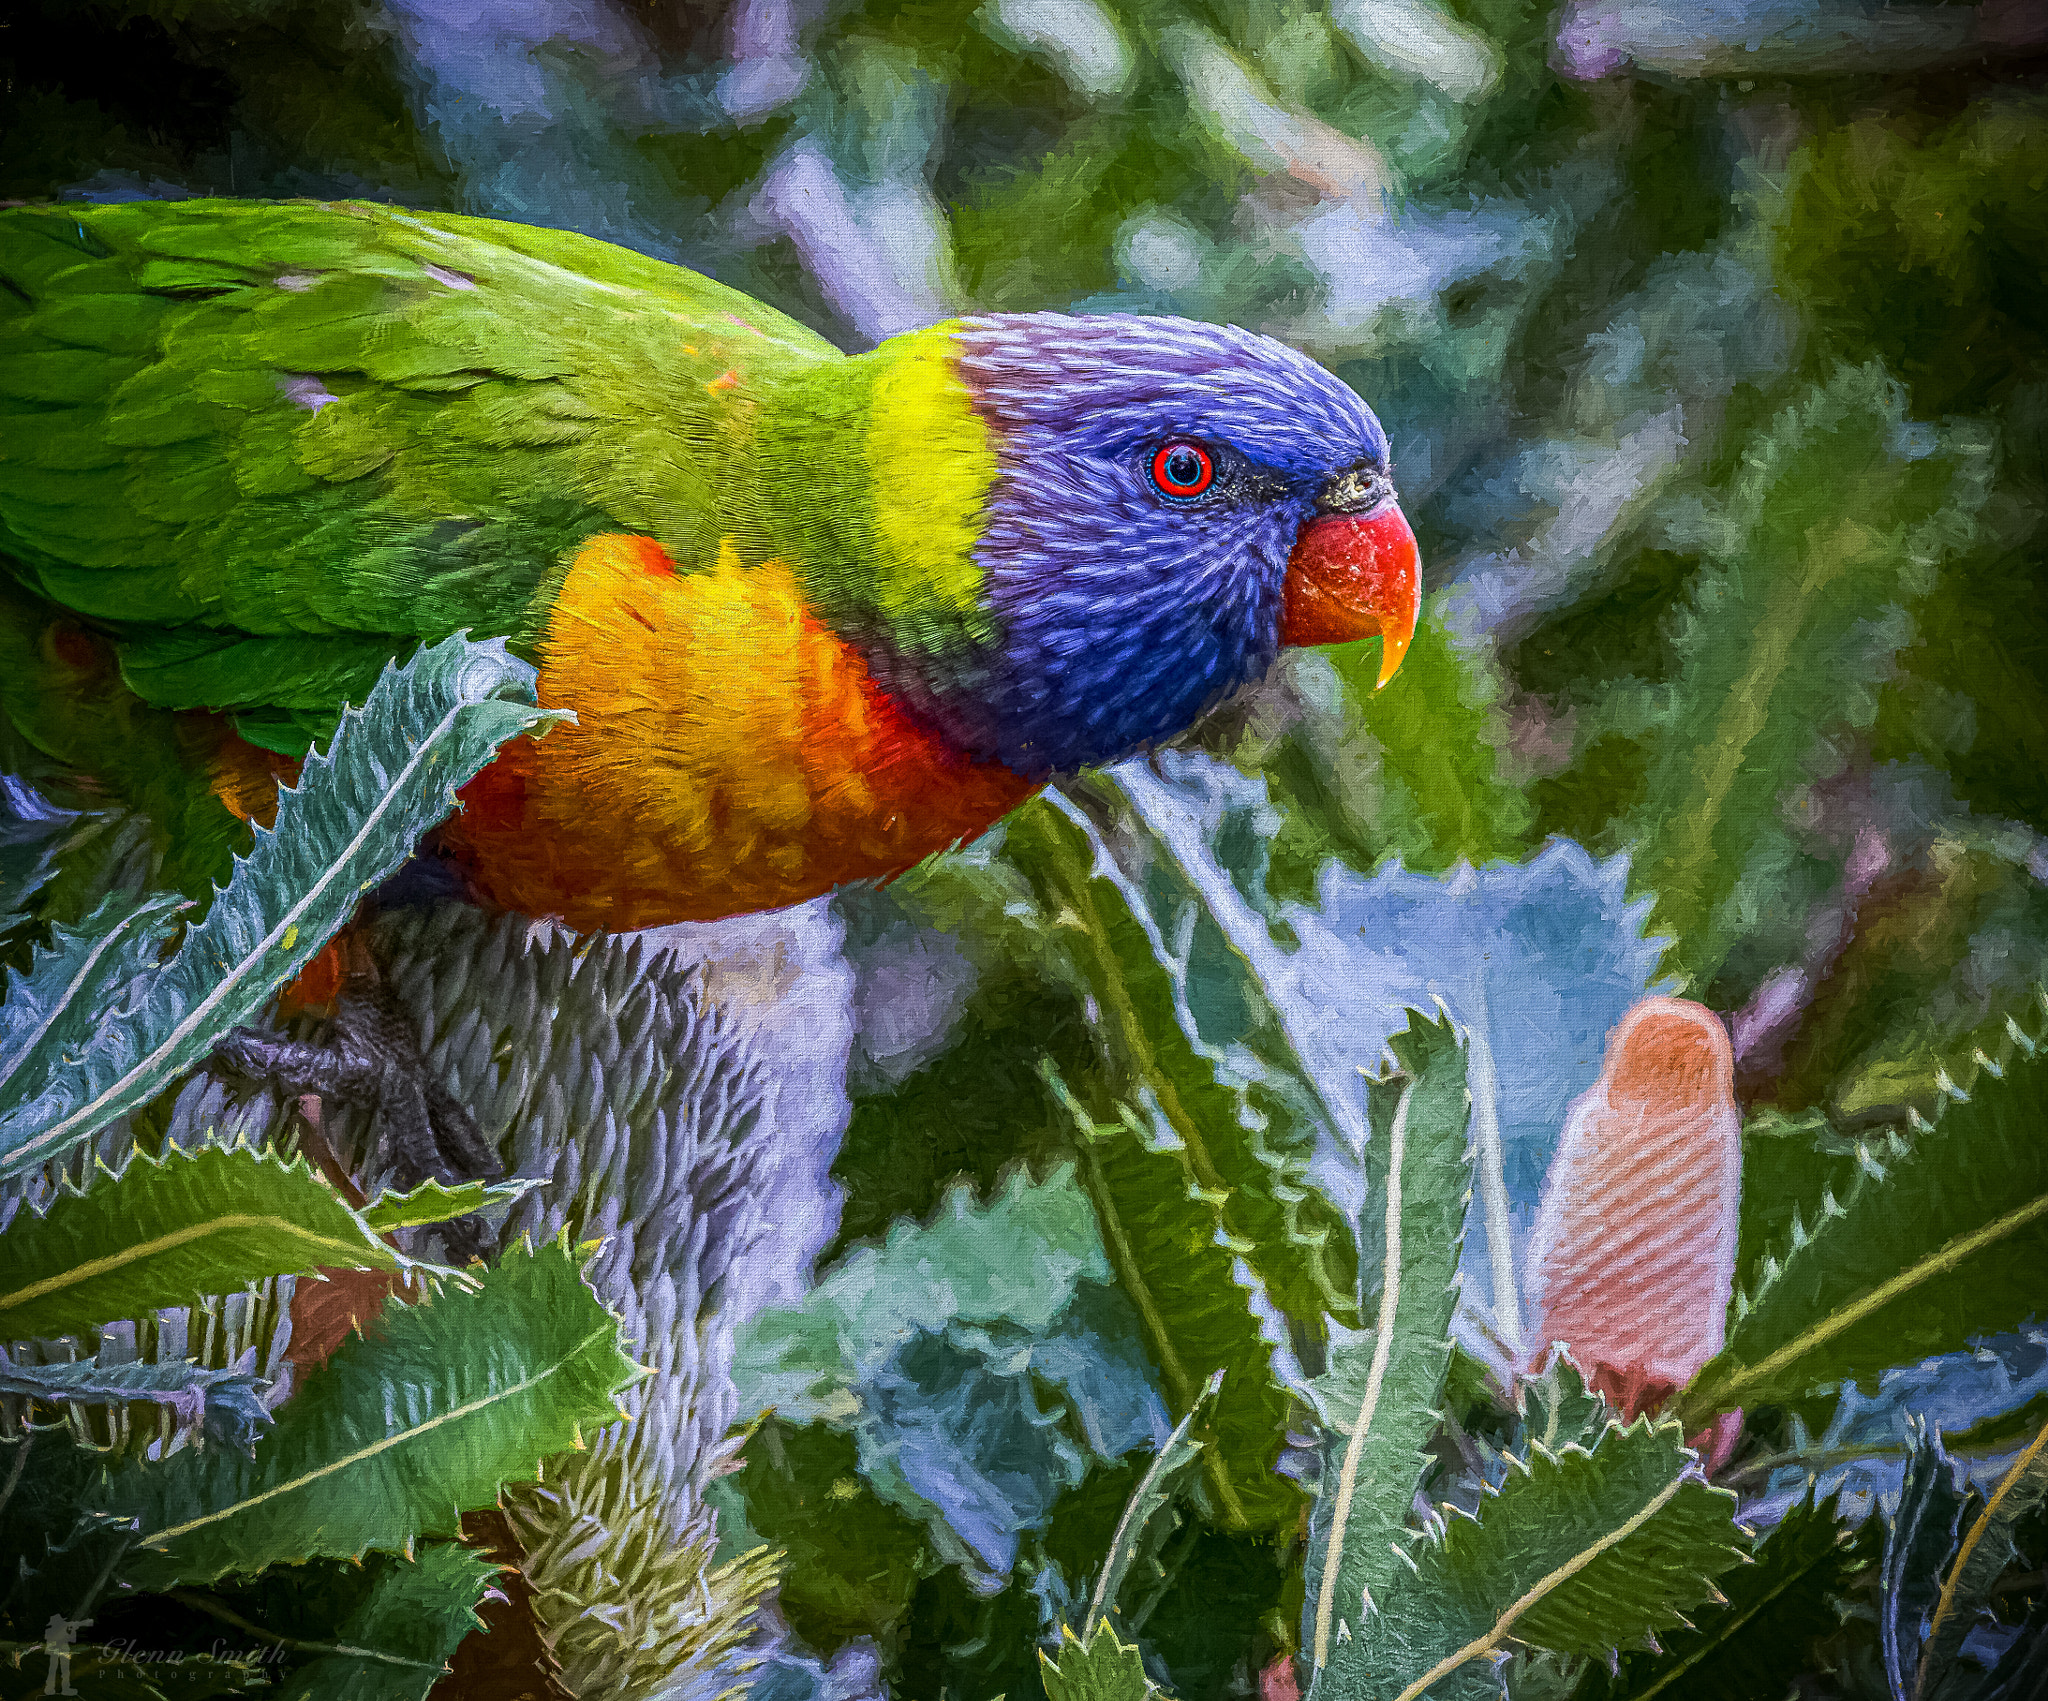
31,831
1162,1232
2022,1673
940,1349
1559,1410
56,1008
1247,1141
59,1560
1550,946
167,1230
402,1430
1579,1552
1381,1401
1148,1515
1955,1227
1761,1638
1792,1171
1917,1546
1829,529
430,1202
355,815
1983,1551
1017,1261
225,1401
395,1645
1434,791
1102,1668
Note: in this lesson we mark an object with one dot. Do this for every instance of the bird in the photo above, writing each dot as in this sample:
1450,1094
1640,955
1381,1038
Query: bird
817,615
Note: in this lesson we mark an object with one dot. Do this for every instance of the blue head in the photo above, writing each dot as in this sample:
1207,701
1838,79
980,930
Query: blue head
1157,482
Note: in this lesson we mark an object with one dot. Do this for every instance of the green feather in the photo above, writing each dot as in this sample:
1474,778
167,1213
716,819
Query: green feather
348,420
263,448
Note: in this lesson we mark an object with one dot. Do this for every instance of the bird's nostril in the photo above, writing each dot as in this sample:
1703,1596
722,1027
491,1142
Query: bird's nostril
1356,490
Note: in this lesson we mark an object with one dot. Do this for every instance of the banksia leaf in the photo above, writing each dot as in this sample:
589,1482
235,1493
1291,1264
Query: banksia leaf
1761,1638
1247,1141
1438,790
1917,1547
1984,1549
401,1432
1103,1668
1579,1552
355,815
224,1402
1380,1399
1148,1515
430,1202
57,1007
1633,1254
1163,1235
32,834
165,1231
1830,530
396,1644
1954,1223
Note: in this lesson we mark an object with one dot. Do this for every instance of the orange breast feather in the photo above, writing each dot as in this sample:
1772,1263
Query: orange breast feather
729,754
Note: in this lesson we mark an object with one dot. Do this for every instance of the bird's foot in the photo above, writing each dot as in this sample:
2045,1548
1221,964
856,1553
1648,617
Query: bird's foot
372,1060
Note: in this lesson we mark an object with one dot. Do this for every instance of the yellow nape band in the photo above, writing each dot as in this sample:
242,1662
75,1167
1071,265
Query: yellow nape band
931,467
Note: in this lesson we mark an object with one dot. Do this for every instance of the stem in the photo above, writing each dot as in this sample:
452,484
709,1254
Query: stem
206,1604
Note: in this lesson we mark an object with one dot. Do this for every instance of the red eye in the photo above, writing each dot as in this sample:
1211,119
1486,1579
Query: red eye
1182,469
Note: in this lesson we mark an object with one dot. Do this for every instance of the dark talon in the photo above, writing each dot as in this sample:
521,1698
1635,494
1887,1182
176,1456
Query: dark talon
372,1061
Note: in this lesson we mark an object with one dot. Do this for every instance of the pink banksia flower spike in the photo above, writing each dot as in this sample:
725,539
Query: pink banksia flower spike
1633,1256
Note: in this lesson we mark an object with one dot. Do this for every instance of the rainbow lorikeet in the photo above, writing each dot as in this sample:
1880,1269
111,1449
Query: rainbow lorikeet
818,616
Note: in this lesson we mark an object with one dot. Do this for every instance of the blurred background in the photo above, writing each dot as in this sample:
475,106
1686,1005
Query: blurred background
1712,340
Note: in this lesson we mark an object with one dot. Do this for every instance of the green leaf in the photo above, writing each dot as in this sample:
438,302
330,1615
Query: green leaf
1559,1409
58,1559
1918,1544
1579,1552
1246,1145
355,815
963,1265
55,1009
165,1231
1794,1172
1102,1668
1956,1227
851,1561
402,1431
1431,788
1147,1516
1984,1550
398,1641
1381,1399
430,1202
1828,533
33,832
1761,1638
1164,1235
224,1400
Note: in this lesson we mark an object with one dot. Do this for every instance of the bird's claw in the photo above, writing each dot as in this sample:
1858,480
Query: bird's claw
373,1062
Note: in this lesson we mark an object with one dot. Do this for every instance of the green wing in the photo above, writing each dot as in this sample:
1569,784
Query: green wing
266,447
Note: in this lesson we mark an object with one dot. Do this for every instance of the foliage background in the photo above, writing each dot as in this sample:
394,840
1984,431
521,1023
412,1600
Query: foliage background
1581,263
1711,345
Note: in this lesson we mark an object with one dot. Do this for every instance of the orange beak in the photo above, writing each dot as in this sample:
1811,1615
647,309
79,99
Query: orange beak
1354,576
